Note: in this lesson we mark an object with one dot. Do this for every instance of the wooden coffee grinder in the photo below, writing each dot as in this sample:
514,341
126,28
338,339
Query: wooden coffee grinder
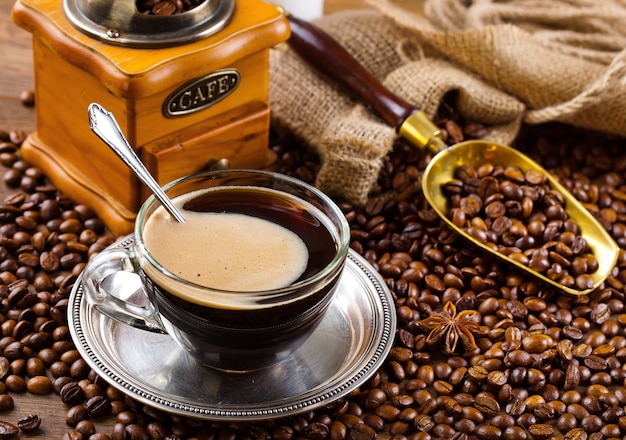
186,89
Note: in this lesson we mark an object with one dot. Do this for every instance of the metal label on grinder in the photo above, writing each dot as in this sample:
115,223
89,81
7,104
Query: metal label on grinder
201,93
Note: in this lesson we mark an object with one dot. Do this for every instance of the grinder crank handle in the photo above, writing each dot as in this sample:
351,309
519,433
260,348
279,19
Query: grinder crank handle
328,57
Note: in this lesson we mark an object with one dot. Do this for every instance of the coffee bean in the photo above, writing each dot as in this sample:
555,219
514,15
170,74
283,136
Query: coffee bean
167,7
27,98
98,406
361,431
86,428
15,383
75,414
136,432
316,430
375,398
79,369
49,261
6,402
39,385
8,430
388,413
17,136
487,404
29,423
455,132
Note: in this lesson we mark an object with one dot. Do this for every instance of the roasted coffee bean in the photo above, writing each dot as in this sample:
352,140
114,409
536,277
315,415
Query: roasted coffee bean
158,430
361,431
98,406
166,7
6,402
487,404
79,369
8,430
15,383
49,261
136,432
541,430
86,428
99,436
39,385
4,366
29,423
316,430
388,413
488,432
75,414
27,98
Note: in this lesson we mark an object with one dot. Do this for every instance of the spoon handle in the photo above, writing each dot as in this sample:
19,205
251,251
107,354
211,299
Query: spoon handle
103,124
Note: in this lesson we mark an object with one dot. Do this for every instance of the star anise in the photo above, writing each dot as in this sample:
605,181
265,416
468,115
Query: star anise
451,327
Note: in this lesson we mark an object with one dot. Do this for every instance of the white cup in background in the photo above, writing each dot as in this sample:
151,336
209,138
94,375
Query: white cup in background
304,9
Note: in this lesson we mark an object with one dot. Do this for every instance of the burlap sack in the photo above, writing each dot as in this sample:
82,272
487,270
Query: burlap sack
350,140
564,59
503,73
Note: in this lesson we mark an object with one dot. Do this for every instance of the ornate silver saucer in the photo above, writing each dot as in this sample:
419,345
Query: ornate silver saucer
344,351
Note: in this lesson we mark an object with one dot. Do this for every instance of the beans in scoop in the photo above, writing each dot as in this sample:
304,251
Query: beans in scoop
518,214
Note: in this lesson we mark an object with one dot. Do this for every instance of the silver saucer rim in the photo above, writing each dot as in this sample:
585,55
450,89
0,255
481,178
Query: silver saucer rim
350,378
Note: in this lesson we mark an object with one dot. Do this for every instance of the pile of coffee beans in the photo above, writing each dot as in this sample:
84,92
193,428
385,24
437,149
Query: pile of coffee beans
547,365
166,7
519,215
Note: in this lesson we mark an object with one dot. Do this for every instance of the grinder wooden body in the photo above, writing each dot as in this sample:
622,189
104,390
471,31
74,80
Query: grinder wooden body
179,106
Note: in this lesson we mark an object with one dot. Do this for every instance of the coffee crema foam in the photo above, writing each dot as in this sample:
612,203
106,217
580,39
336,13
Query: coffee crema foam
225,251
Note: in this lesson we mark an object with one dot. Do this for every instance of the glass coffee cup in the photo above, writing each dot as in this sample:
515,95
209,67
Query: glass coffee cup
242,282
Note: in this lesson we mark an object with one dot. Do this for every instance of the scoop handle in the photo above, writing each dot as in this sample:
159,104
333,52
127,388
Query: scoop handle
330,58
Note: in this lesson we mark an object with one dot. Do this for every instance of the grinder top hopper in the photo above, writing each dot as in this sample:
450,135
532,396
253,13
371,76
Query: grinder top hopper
120,22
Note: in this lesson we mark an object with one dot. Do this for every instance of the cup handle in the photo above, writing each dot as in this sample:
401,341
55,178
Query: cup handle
101,278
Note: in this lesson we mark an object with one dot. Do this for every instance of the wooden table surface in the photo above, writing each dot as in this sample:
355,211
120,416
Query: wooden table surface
17,76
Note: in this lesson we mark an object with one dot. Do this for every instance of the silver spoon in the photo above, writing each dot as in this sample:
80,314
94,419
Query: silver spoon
103,124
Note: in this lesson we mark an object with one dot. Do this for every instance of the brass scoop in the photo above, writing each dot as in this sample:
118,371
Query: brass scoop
327,56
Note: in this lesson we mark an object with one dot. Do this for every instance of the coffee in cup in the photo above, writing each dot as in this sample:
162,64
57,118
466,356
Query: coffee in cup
264,239
244,279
